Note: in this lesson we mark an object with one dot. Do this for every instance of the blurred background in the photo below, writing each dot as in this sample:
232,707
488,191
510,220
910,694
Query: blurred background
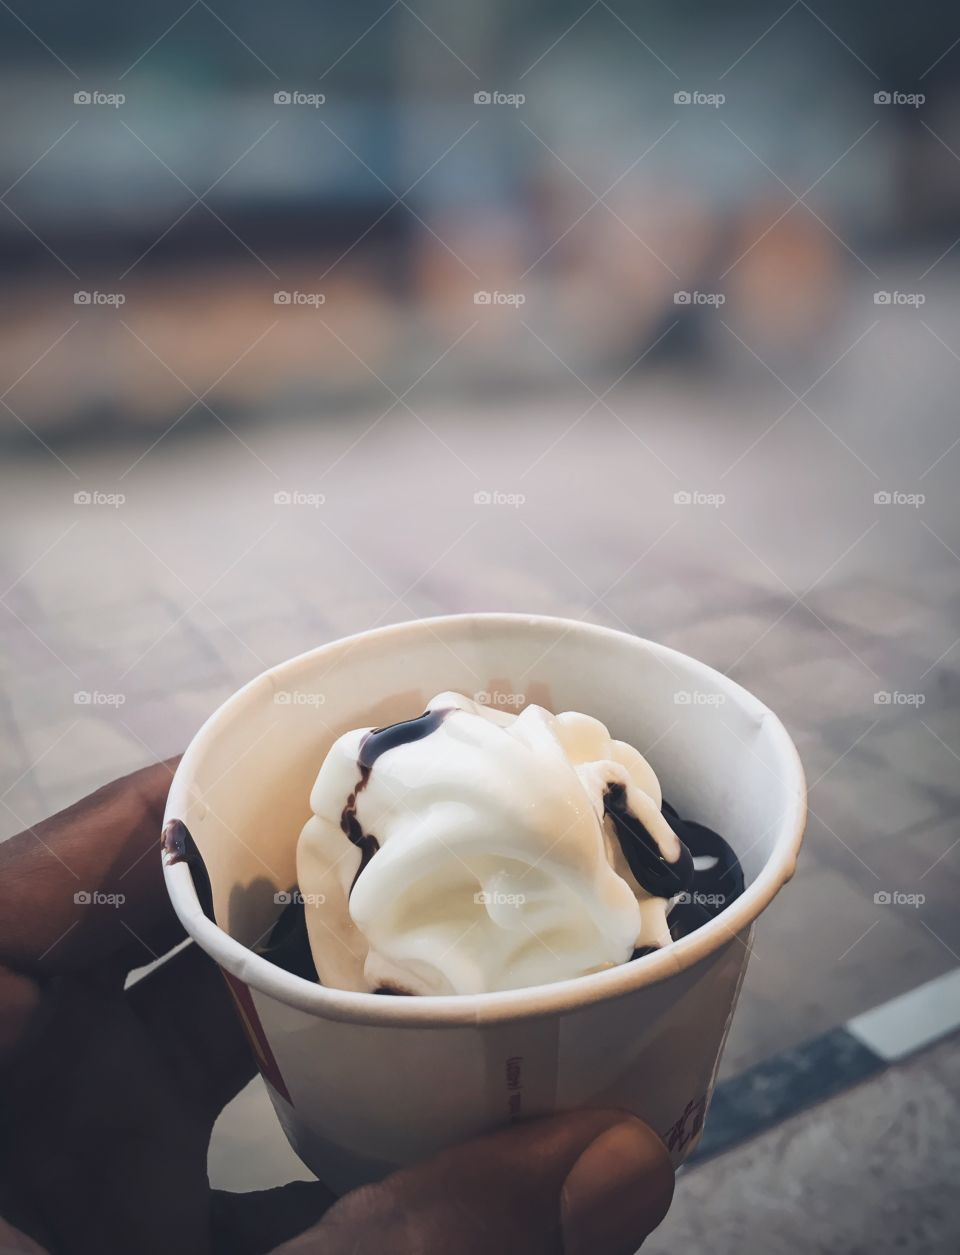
321,316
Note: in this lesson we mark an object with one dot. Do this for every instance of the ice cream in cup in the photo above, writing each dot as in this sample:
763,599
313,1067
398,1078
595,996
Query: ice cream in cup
494,839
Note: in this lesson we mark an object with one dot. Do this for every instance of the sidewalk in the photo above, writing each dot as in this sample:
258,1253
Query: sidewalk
872,1171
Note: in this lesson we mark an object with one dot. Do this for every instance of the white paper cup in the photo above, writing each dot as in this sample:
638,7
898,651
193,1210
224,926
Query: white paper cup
364,1083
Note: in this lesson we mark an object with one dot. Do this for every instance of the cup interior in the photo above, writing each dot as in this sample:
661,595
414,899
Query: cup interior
243,786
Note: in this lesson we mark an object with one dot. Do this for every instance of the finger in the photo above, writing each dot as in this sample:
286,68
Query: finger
193,1024
255,1223
20,999
14,1242
98,1139
595,1182
107,844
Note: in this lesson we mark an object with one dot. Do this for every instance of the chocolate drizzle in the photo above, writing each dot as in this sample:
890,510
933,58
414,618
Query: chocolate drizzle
406,732
701,894
713,888
179,847
375,743
652,871
365,843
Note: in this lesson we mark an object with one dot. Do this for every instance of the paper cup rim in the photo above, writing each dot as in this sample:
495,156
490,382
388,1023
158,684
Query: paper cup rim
457,1010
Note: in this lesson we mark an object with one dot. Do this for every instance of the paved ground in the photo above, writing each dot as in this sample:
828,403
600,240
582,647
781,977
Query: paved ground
799,584
869,1173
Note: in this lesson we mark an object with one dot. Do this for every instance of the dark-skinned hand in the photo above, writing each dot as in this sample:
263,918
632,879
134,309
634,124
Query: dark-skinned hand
109,1093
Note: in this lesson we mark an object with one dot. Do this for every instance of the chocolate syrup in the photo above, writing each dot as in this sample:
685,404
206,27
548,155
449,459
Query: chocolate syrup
375,743
643,855
380,740
702,893
179,847
713,888
365,843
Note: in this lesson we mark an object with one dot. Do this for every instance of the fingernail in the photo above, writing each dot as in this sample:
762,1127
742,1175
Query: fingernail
617,1192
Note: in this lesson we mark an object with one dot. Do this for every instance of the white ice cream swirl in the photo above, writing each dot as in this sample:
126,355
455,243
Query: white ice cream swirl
487,852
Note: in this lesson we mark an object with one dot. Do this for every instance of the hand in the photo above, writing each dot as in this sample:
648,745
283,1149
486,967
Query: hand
109,1094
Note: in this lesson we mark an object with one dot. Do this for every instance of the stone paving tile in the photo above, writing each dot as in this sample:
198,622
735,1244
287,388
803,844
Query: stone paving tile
908,749
247,649
45,696
922,864
727,642
24,648
815,753
163,724
872,608
843,952
861,802
820,689
872,1172
943,720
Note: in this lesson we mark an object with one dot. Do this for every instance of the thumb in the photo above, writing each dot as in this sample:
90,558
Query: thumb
596,1182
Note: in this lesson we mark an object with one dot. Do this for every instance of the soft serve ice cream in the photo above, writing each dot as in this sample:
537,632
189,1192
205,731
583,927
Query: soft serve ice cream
471,850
